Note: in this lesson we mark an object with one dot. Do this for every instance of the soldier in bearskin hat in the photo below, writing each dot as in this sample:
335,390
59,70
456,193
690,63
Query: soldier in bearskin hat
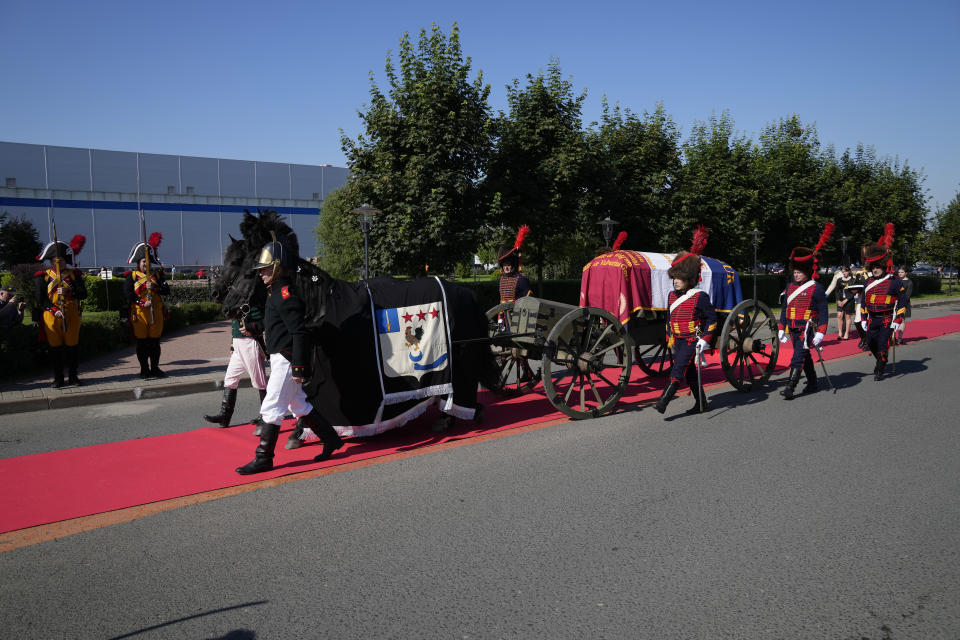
884,300
288,345
691,324
804,316
143,290
58,291
513,284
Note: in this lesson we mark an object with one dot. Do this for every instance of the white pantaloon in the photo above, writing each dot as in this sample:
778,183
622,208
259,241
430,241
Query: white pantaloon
247,357
283,393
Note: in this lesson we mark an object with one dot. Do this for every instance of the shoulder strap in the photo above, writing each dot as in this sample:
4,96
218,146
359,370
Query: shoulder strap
875,283
806,285
681,299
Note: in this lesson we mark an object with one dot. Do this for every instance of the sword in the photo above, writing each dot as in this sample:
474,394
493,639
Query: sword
892,339
702,399
819,351
56,261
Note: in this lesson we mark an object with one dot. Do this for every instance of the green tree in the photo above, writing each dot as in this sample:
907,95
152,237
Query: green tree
945,231
869,193
339,234
632,172
795,195
535,173
420,157
19,242
718,189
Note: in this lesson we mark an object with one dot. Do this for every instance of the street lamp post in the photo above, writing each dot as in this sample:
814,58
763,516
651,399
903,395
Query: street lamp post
608,226
366,213
953,248
843,250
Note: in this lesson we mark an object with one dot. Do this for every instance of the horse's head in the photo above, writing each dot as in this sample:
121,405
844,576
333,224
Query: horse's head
238,284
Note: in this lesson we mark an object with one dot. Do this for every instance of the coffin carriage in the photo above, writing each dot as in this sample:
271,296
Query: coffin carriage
584,354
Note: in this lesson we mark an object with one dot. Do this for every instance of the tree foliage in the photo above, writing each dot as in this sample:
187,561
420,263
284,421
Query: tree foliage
339,235
535,172
420,157
19,242
945,231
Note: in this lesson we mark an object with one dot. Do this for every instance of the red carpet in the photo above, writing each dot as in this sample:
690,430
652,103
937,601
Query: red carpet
60,485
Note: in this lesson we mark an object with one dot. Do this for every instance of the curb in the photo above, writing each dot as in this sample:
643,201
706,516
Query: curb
67,401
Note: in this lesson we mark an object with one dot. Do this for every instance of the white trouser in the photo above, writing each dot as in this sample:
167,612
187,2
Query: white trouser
283,393
247,357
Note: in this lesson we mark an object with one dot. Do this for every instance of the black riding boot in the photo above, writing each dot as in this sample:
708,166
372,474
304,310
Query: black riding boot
792,379
263,461
56,357
226,408
811,372
879,369
73,357
319,425
295,440
142,351
667,396
154,355
256,419
863,336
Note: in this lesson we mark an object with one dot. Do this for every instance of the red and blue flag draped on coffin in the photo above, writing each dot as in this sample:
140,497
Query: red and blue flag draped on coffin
624,282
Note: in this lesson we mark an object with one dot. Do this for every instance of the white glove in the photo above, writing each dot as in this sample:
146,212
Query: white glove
782,335
895,325
702,345
817,339
863,323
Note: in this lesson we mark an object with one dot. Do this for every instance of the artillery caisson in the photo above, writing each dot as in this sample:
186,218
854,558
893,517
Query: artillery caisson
584,354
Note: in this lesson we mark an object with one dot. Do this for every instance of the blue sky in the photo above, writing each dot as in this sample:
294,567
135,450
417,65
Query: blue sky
275,81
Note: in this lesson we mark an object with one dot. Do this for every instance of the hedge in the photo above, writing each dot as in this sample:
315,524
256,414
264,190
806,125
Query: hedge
22,353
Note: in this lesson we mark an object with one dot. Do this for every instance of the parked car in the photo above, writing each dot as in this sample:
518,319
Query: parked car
924,269
775,267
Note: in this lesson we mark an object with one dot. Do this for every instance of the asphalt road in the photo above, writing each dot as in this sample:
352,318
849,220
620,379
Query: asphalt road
831,516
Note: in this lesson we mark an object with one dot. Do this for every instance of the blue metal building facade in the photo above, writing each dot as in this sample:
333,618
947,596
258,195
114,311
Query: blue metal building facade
194,202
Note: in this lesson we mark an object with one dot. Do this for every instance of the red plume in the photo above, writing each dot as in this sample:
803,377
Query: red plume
888,233
155,239
77,243
521,236
827,232
621,238
699,239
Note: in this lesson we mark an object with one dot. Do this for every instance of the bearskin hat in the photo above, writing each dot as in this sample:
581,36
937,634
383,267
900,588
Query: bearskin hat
139,250
686,266
510,253
872,252
805,259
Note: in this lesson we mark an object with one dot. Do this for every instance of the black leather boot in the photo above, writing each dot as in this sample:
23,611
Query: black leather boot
667,396
226,408
792,379
811,372
142,358
154,355
73,357
56,356
263,460
878,369
319,425
256,419
295,441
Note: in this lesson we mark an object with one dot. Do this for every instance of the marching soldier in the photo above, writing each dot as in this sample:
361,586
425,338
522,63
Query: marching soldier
513,284
884,302
58,291
288,344
143,290
804,316
691,324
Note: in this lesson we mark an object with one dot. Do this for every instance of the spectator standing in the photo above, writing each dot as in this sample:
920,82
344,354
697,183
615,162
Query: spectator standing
907,284
843,283
11,310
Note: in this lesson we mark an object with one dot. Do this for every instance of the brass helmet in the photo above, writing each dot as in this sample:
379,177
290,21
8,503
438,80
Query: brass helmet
276,255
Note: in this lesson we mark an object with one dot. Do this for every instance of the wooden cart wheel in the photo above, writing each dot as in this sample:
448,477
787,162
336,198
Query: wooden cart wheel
655,359
749,345
586,363
517,375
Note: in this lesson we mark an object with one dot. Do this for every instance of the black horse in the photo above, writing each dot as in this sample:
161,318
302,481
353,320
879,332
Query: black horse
346,383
